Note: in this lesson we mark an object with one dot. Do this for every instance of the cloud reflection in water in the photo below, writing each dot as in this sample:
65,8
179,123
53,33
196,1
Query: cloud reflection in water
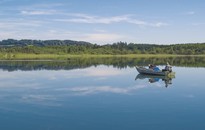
100,89
50,87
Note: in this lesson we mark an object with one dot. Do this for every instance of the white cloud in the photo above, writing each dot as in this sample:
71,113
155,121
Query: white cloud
18,28
28,31
14,24
143,23
32,23
159,24
22,29
84,18
102,37
38,12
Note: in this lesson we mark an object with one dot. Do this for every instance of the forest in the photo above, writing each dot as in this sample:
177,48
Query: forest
28,46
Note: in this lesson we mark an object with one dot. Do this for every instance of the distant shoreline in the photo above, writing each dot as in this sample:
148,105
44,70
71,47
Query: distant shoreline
25,56
12,48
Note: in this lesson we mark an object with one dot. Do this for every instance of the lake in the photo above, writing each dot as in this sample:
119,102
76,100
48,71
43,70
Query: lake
101,94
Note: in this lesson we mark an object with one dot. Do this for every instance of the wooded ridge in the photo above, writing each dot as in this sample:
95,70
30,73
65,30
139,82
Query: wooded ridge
82,47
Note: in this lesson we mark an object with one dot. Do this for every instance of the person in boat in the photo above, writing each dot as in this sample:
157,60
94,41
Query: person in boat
153,67
167,68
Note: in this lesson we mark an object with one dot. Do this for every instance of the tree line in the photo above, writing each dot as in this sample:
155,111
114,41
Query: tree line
81,47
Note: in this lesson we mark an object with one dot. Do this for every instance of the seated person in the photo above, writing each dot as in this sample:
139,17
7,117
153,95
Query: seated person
167,68
151,66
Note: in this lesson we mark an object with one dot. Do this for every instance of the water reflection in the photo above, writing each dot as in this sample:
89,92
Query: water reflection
98,97
79,63
156,78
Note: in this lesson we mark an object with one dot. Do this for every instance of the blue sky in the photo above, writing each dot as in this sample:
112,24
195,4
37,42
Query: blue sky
104,21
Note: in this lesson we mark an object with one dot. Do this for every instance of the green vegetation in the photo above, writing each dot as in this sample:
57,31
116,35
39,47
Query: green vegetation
61,49
27,56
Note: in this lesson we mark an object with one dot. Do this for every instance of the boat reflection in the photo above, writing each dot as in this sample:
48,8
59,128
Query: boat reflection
155,78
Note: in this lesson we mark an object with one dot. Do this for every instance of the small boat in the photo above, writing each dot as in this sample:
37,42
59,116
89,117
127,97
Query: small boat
143,70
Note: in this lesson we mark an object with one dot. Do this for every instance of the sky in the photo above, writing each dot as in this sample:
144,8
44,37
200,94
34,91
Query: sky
104,21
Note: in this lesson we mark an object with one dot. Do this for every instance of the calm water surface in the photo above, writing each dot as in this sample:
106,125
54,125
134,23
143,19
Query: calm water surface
101,97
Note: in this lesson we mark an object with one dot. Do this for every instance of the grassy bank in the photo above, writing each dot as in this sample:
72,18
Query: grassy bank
9,56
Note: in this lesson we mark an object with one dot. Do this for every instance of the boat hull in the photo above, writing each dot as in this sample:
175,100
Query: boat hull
143,70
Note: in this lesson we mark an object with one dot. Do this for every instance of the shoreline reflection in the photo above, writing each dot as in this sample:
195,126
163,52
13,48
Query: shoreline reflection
156,78
79,63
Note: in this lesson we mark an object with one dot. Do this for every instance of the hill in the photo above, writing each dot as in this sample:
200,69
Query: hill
81,47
